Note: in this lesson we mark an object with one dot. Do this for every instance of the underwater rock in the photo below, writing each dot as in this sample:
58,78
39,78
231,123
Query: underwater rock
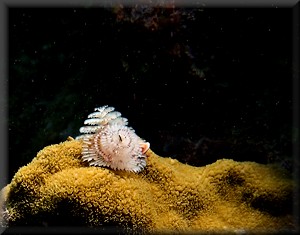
58,188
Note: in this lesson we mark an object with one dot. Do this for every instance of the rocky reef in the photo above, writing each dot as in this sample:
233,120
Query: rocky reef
58,188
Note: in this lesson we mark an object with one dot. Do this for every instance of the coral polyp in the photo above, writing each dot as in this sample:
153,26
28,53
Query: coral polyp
109,142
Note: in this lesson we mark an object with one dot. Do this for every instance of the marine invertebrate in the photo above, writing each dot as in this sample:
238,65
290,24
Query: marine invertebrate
109,142
57,188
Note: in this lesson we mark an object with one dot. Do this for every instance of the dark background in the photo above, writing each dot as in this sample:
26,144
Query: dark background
198,84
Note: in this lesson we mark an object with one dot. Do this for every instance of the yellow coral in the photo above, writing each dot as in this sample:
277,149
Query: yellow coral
57,188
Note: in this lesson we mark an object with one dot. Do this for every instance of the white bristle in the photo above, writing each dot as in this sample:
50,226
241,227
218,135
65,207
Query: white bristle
89,129
92,121
100,109
119,121
95,115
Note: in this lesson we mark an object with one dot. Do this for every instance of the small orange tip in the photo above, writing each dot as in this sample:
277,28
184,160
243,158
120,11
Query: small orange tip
145,146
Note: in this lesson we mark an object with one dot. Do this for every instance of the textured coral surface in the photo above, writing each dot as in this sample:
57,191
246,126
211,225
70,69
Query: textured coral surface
57,188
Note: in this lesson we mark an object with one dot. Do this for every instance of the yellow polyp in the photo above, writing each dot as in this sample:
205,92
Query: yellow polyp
166,196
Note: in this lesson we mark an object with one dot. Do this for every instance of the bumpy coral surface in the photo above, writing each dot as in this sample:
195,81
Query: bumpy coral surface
57,188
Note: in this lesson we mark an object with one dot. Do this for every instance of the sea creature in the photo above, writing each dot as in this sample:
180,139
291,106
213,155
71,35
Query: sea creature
109,142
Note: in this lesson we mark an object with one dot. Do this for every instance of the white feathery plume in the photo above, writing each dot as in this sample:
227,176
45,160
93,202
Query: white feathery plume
109,142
